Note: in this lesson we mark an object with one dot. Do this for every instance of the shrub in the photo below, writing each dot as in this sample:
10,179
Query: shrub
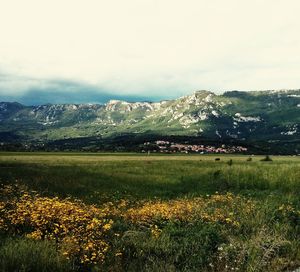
266,158
230,162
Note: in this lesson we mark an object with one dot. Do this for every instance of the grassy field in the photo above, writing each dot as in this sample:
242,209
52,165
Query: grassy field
153,213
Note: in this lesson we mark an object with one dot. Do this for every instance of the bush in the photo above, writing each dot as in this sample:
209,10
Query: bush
230,162
266,158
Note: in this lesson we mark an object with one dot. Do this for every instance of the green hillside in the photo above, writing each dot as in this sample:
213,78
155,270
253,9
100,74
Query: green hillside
268,116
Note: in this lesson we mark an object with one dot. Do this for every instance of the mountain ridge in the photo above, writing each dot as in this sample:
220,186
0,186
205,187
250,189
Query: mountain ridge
245,116
275,91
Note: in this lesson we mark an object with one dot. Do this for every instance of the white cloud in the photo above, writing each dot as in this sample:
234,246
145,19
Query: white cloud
142,46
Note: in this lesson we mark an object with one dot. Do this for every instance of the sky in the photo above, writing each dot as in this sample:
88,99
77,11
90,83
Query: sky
94,50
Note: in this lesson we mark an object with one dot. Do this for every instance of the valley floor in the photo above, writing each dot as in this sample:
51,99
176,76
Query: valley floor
137,212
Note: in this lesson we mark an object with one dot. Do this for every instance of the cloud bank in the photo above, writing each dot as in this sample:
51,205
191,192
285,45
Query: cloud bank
147,48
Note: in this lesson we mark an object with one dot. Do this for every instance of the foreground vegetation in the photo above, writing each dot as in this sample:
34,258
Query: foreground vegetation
108,212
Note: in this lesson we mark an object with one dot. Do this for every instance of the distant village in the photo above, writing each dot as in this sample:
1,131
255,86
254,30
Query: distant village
162,146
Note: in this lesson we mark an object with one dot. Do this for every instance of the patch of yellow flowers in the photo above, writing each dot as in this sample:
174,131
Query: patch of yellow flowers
83,232
217,208
79,230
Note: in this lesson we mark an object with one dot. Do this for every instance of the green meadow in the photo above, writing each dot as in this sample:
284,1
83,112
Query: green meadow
261,198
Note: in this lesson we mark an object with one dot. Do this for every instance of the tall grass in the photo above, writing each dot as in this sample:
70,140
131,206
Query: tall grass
102,179
267,238
21,254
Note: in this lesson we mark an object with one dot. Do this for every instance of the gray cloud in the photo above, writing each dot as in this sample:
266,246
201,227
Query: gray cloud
34,92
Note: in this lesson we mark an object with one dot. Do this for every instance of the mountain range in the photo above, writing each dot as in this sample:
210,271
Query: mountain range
249,117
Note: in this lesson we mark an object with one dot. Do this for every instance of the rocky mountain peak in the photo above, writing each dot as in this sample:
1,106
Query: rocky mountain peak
234,115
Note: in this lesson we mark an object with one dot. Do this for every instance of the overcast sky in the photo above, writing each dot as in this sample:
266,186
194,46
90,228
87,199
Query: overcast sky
148,48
